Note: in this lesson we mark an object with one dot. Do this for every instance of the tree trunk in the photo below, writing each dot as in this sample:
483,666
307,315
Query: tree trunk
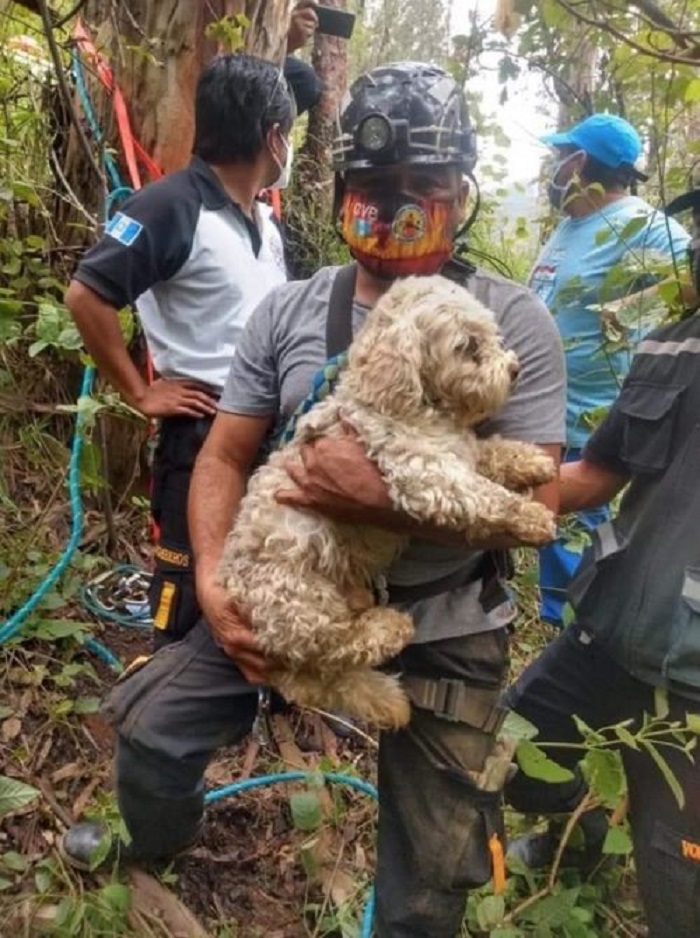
310,214
157,49
330,62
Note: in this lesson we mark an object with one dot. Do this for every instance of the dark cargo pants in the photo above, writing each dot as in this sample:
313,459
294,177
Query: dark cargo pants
575,675
434,824
172,595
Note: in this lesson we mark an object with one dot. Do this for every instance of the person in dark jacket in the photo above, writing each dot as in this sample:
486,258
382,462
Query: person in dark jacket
634,648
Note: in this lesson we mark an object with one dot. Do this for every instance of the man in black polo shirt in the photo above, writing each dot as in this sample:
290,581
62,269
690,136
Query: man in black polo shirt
195,252
635,646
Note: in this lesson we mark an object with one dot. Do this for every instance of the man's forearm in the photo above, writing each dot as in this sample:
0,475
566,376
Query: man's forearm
586,485
216,490
98,324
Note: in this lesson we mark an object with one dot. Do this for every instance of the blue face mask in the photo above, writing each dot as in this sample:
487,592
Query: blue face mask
557,192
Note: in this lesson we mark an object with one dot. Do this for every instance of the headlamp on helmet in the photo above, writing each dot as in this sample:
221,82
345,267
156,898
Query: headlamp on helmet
407,113
377,136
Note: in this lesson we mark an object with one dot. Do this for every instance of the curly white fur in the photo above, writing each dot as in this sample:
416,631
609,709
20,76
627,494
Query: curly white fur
427,367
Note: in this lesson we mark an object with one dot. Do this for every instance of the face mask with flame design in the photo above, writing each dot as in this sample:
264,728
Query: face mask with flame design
397,234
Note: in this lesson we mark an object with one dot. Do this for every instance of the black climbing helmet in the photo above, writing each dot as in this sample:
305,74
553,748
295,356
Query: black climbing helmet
404,113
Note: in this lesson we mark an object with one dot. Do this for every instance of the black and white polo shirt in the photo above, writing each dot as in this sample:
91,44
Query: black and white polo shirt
194,265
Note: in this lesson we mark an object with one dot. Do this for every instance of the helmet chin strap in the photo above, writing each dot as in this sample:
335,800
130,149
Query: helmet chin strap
471,218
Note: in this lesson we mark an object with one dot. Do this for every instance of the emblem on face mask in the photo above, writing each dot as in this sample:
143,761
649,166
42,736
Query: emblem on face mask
364,217
409,224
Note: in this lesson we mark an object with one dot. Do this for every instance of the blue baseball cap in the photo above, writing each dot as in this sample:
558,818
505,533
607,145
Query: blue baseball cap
606,137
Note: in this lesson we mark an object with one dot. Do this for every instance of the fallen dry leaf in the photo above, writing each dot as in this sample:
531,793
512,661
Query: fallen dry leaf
11,728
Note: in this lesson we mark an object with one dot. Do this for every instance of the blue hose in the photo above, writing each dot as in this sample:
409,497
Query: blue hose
358,784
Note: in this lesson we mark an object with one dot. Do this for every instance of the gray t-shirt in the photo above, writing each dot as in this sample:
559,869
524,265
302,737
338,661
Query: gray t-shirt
283,347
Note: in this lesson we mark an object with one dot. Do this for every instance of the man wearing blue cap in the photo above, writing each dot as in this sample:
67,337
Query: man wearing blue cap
609,244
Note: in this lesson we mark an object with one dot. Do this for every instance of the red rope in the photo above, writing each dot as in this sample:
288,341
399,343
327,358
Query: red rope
132,149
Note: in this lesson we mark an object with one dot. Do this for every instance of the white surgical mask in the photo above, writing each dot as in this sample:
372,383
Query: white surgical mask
285,175
557,192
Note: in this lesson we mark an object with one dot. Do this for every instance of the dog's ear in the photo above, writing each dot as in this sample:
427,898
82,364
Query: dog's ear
385,365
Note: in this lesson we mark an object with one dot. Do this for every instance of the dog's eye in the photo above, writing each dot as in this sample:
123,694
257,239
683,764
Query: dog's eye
468,348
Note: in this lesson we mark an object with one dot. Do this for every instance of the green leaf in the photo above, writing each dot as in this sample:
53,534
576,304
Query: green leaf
536,764
602,236
43,879
15,795
307,813
554,910
574,929
661,708
5,883
517,727
617,842
667,772
5,711
626,737
605,775
87,705
52,629
14,861
692,90
589,734
693,722
669,293
633,227
117,896
490,911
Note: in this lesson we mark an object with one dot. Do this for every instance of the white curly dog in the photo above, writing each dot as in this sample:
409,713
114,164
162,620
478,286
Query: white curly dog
426,368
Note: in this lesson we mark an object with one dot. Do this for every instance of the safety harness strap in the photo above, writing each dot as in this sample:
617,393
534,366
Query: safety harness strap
456,701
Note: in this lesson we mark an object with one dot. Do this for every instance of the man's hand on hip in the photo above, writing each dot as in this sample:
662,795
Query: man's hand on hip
231,632
174,397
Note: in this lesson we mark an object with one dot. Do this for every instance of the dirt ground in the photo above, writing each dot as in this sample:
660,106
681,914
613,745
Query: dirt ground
248,876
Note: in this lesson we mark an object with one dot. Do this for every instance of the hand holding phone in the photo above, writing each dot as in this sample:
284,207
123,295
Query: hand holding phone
334,22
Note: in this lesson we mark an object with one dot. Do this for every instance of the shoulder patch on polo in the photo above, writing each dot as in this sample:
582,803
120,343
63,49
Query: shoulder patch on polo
124,229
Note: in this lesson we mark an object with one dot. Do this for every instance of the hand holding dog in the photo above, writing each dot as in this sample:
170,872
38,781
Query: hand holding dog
337,479
232,632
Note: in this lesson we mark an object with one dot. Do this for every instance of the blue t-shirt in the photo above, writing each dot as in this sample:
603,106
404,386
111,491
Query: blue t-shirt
570,277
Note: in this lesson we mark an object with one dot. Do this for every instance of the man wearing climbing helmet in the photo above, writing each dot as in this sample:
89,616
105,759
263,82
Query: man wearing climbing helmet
403,148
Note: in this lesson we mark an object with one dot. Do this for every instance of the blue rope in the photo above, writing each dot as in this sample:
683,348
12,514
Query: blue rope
137,618
14,623
357,783
119,190
323,384
91,118
104,654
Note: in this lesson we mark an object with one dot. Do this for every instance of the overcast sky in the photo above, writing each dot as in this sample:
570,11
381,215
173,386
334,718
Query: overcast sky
519,117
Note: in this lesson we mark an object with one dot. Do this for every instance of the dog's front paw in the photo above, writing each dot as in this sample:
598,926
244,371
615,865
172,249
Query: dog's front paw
534,467
534,524
529,468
